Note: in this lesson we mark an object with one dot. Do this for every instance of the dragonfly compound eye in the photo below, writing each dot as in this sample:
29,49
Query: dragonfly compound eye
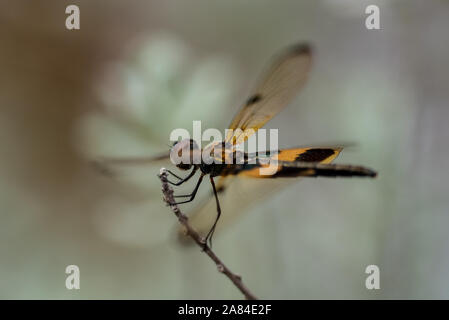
181,153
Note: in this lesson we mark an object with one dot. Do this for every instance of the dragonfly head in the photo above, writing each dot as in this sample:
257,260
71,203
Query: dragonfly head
181,153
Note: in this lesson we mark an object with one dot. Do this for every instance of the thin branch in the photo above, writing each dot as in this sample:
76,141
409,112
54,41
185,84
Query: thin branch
168,198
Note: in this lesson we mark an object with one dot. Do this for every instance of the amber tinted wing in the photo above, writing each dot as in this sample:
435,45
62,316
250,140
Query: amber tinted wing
237,195
302,162
304,169
277,88
322,155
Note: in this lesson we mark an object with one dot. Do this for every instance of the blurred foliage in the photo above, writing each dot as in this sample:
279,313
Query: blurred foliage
137,70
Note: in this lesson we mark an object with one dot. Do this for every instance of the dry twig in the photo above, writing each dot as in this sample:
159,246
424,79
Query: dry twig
168,198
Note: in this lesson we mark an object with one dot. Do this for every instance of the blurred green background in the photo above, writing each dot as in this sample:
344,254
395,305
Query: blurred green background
138,69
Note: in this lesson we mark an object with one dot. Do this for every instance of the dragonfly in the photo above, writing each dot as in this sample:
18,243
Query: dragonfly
275,90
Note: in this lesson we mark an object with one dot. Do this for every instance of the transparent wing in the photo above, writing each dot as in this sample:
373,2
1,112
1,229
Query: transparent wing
105,165
235,200
277,88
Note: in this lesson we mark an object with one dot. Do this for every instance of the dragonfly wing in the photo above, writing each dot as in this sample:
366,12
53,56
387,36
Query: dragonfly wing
304,162
322,155
238,195
235,200
278,86
106,165
303,169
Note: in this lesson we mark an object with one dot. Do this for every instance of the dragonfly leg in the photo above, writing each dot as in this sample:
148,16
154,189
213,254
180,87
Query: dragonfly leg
212,230
176,176
182,180
193,194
